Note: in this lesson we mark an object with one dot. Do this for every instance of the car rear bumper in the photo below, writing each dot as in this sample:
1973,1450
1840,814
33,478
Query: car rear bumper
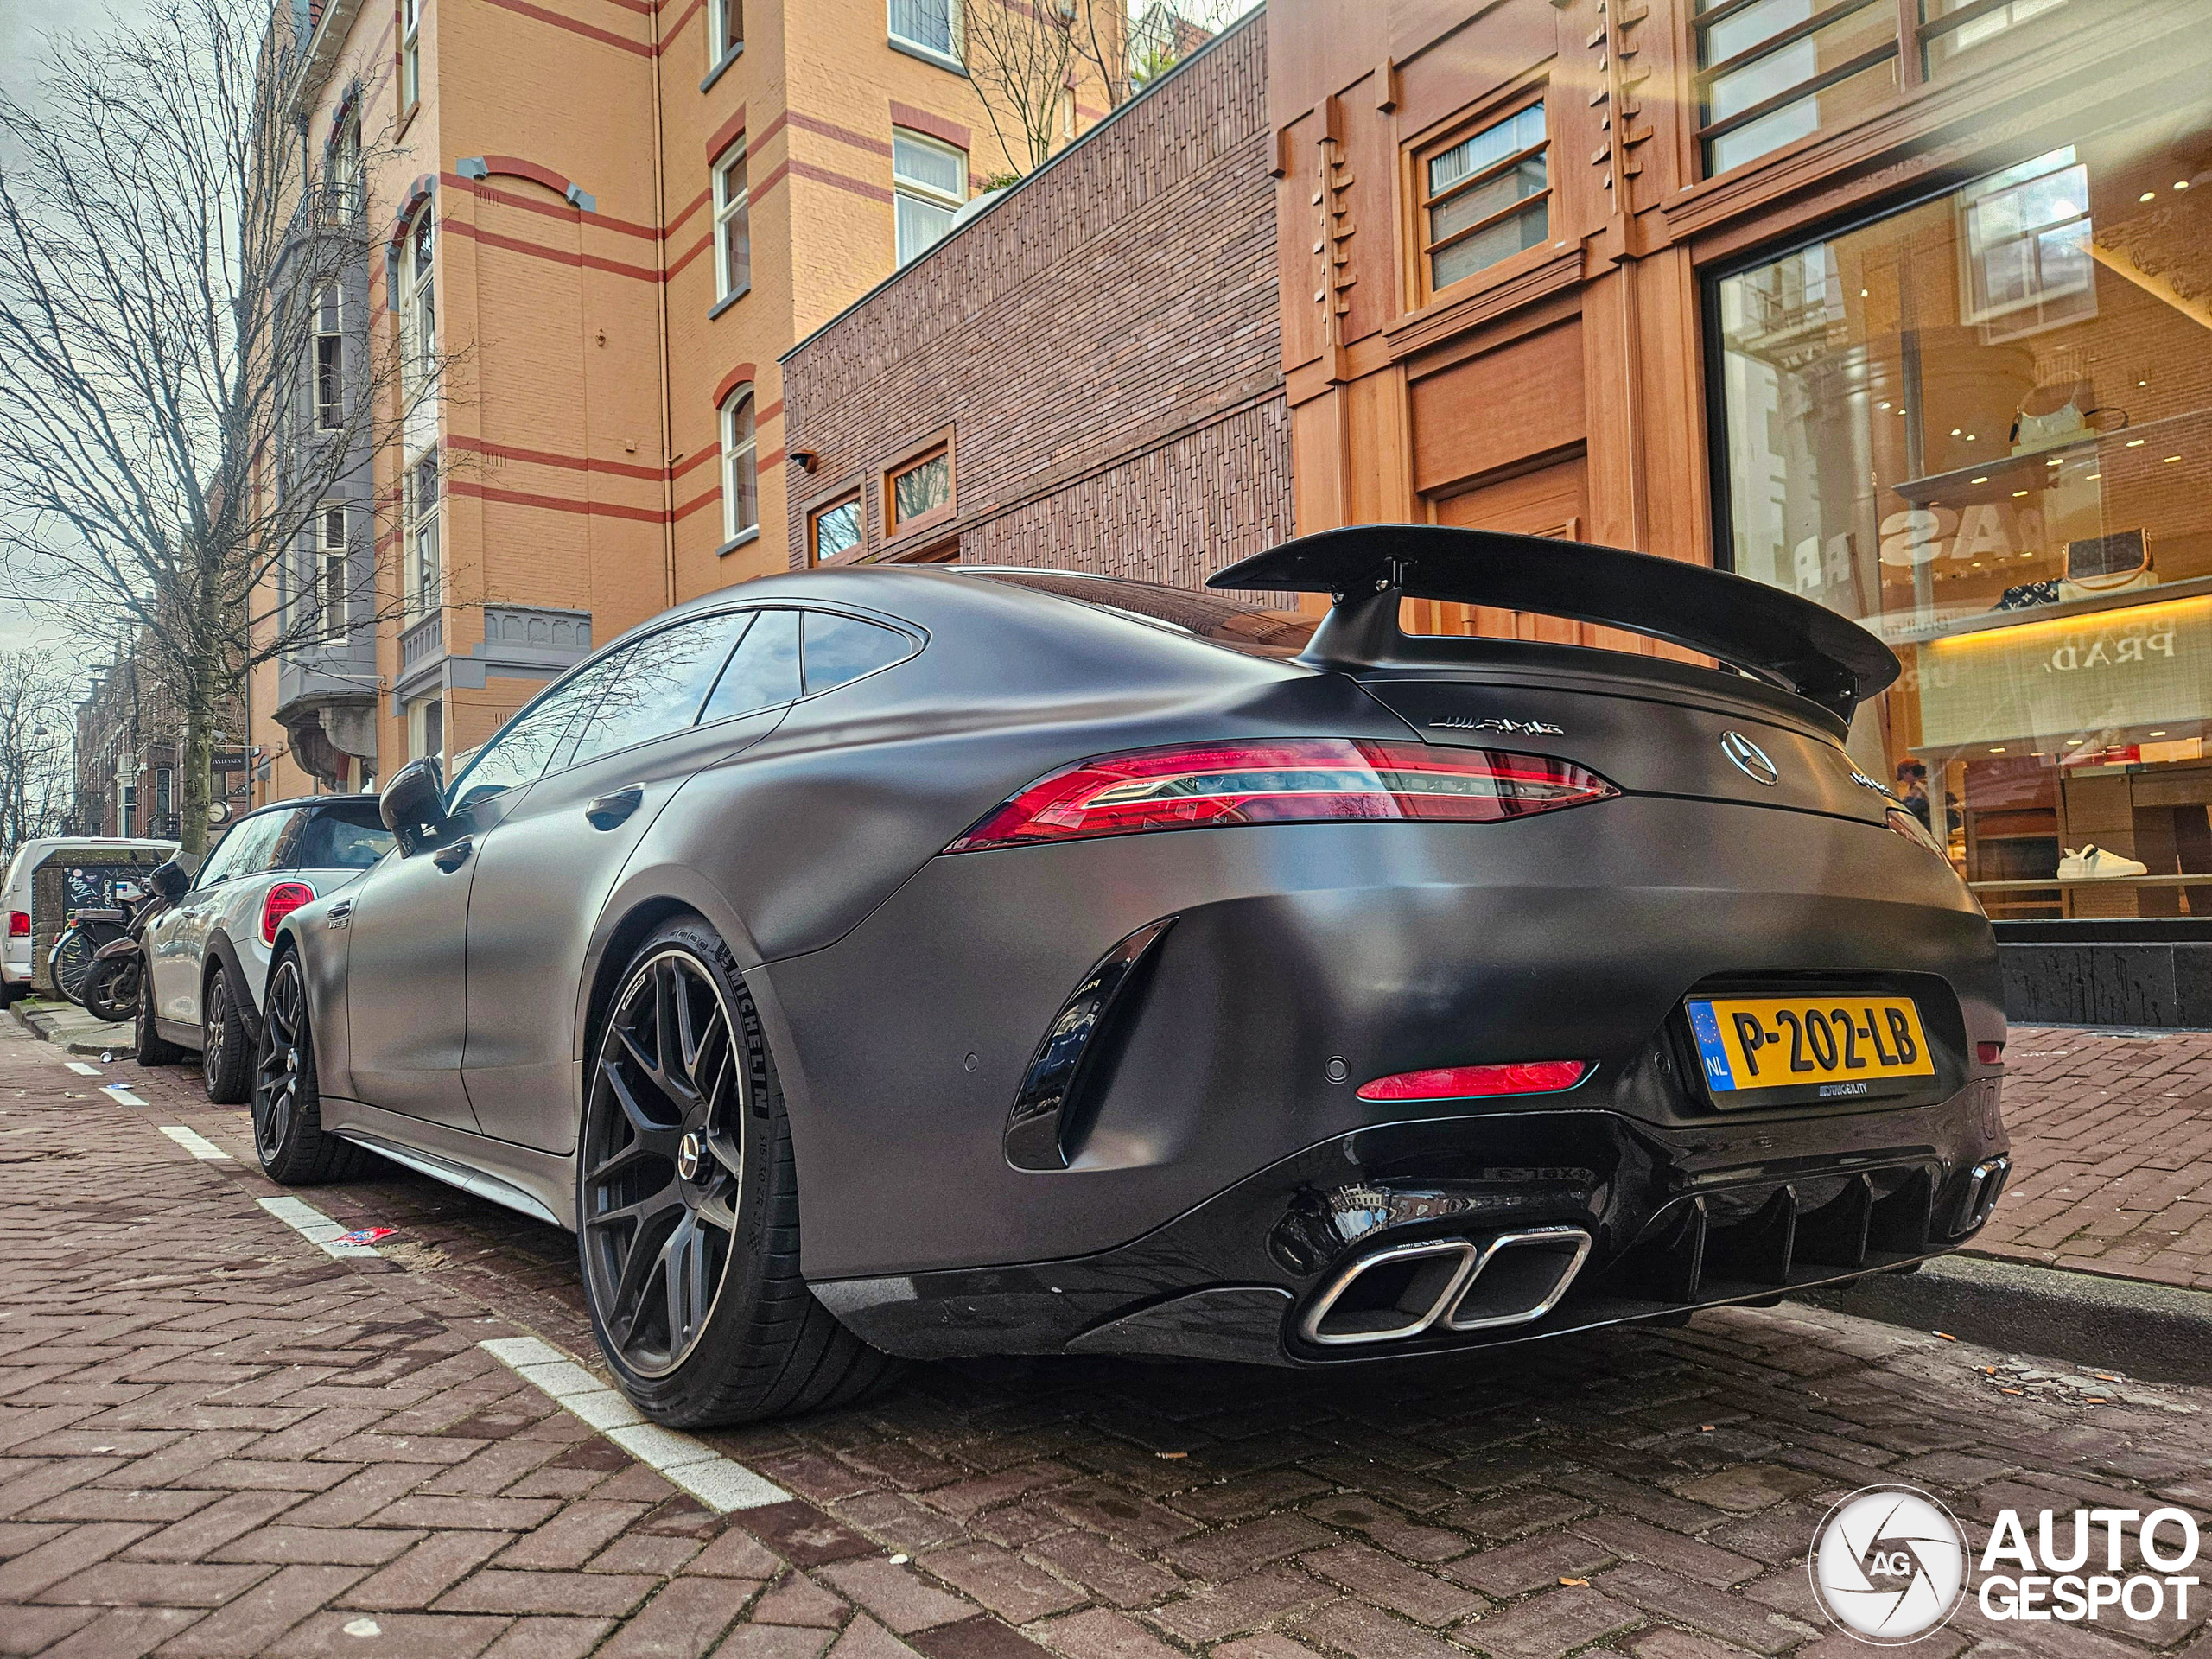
1304,961
1675,1219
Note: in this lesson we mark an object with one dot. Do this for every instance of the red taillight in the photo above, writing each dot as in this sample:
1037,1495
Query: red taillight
283,899
1990,1053
19,924
1296,780
1463,1082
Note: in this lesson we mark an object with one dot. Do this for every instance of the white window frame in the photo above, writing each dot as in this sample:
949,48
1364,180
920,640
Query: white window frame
329,303
332,578
419,291
921,190
411,54
421,571
935,53
720,14
731,206
418,734
740,456
341,167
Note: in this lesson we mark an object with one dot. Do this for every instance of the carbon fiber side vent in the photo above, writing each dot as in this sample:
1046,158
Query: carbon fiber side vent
1040,1130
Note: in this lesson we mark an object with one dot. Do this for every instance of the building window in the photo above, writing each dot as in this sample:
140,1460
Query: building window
130,811
426,728
1995,452
929,180
733,227
341,169
919,489
741,466
835,530
1485,196
1774,70
331,581
422,564
931,26
163,802
330,358
1956,26
725,30
419,300
411,54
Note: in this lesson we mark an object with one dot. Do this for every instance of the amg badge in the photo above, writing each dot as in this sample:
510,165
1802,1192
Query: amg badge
1525,728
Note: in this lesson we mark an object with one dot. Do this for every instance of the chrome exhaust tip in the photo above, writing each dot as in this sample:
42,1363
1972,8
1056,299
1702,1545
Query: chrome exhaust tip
1984,1184
1512,1278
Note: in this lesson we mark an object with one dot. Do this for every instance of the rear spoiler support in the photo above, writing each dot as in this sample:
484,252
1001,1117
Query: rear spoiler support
1367,570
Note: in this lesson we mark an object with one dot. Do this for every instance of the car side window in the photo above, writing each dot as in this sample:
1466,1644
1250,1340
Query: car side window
520,751
843,648
762,672
665,679
247,850
339,838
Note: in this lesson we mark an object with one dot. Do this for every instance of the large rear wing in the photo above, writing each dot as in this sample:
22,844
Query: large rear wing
1368,568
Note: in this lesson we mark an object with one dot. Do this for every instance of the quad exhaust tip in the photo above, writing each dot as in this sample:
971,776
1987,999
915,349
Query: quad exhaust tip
1456,1284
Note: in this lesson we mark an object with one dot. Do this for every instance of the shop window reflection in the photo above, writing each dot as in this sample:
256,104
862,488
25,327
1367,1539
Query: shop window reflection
1983,426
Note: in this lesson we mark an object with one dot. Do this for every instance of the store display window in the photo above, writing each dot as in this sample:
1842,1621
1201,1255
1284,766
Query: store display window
1982,426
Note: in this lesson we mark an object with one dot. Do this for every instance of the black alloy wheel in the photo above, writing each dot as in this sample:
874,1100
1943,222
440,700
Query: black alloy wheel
227,1057
288,1130
687,1203
664,1161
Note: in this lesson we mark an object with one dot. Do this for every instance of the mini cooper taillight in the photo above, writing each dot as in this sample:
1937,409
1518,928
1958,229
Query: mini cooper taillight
1294,780
1470,1081
282,900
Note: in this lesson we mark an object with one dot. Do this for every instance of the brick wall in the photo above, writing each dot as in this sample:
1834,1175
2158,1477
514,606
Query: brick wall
1103,343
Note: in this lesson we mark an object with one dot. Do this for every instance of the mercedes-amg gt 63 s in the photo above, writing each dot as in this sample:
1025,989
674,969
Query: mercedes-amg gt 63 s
927,961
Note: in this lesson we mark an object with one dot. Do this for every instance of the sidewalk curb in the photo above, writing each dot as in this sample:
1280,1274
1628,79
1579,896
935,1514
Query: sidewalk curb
47,1024
2158,1333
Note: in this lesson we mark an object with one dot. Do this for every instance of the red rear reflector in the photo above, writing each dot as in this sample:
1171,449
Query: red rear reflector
283,899
1295,780
1990,1053
19,924
1464,1082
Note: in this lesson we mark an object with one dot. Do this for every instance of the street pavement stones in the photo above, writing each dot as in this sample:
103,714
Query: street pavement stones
217,1438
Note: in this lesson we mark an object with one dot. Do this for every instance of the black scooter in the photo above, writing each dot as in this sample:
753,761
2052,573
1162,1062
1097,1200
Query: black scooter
117,978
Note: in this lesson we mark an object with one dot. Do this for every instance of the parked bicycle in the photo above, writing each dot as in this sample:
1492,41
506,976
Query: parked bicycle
69,964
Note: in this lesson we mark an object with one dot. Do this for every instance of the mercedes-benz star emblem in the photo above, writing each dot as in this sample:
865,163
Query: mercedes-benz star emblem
1750,758
690,1152
1889,1565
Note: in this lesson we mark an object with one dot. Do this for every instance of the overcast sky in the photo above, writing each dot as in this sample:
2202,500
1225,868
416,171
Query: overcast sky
24,25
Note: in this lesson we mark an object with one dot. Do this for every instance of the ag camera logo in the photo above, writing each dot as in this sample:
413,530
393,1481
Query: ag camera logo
1889,1565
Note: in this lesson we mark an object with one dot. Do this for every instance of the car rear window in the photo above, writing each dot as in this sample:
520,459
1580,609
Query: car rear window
342,838
1224,621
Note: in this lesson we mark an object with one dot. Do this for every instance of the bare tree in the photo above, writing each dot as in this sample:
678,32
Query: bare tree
172,419
37,780
1021,60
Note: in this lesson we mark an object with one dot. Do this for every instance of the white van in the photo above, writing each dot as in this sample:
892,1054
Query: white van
95,854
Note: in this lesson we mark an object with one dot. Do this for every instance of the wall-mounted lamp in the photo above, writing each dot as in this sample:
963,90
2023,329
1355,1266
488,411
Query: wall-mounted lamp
808,461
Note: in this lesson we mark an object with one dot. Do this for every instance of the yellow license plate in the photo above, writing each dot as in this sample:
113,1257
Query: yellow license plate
1833,1046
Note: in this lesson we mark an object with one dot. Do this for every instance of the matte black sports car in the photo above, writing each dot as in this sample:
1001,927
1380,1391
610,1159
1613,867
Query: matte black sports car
936,960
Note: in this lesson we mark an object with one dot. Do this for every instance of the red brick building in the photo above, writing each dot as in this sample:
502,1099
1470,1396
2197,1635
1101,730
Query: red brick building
1086,374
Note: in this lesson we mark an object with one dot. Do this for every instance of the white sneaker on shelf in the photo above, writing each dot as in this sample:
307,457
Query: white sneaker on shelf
2097,864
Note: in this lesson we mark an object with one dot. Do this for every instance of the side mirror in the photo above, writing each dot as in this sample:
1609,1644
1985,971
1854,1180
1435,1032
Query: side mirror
172,880
413,807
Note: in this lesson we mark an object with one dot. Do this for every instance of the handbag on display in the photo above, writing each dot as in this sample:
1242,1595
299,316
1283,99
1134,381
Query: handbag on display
2058,413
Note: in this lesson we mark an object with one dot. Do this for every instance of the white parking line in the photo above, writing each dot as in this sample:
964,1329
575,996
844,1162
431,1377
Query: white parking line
313,1226
81,1069
116,1092
718,1482
198,1145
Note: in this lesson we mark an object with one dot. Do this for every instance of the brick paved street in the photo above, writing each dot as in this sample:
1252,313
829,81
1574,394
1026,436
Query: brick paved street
2111,1139
217,1439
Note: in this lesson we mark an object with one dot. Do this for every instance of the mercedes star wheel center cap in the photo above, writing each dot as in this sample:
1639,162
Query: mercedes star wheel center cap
689,1155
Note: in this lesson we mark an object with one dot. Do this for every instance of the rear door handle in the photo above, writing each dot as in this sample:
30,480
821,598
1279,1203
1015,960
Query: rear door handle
450,859
609,810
